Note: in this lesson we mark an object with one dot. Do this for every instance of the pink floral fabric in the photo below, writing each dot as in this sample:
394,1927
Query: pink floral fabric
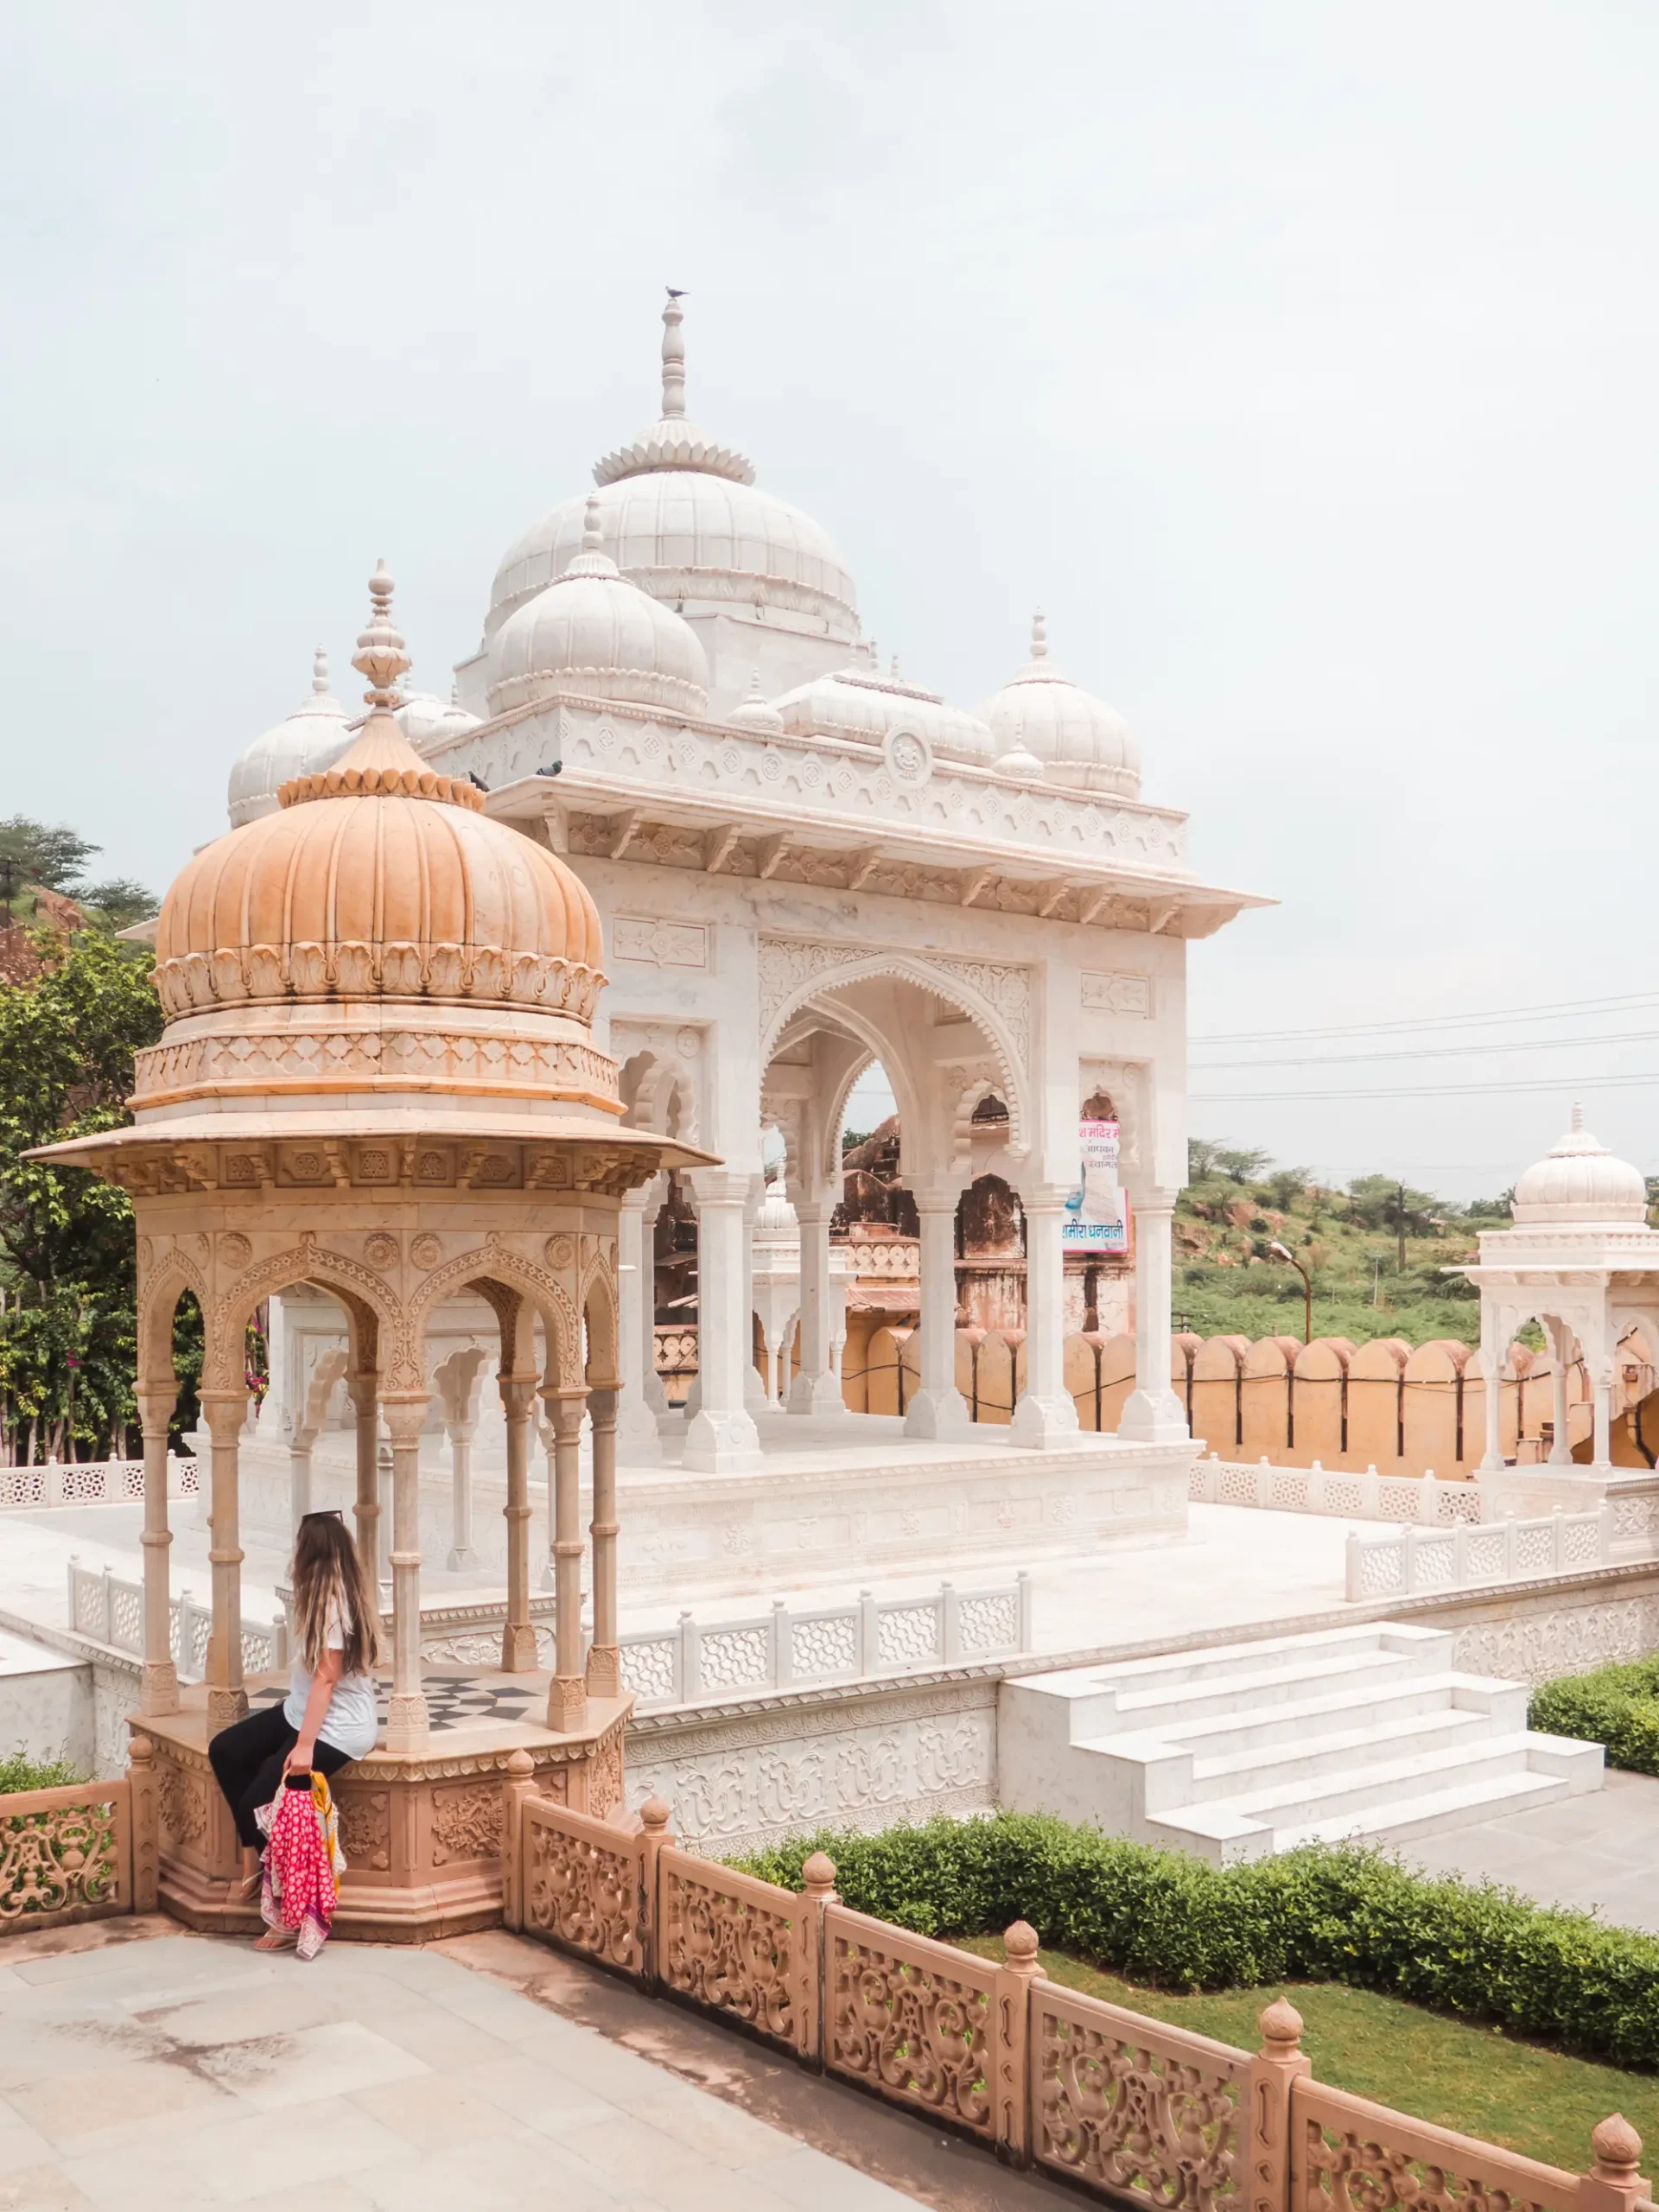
302,1864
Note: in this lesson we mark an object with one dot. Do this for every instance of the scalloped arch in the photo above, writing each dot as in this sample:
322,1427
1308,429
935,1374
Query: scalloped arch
492,1261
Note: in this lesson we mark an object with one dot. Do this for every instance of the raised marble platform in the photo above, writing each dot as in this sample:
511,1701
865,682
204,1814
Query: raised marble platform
835,1499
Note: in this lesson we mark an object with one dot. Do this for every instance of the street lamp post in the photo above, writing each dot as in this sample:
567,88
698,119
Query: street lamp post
1283,1252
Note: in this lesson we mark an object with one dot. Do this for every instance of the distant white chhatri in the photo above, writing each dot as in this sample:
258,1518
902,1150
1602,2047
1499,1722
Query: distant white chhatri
312,738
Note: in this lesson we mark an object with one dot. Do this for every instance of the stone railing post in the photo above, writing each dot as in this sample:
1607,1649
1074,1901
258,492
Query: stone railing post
1011,2054
519,1785
654,1834
145,1832
1612,2184
818,1884
1279,2064
1023,1599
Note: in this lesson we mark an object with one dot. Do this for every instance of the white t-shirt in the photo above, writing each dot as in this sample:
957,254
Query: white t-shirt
351,1723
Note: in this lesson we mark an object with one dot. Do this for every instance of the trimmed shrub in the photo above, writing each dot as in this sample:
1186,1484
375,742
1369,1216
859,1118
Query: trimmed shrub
1340,1914
20,1772
1615,1705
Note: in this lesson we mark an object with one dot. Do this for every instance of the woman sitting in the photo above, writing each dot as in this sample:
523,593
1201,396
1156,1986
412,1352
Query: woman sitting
328,1716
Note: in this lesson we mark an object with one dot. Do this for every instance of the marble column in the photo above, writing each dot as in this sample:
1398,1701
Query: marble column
518,1654
406,1714
638,1442
817,1387
567,1698
1154,1413
159,1683
226,1413
754,1389
1560,1346
938,1409
1492,1367
1044,1414
722,1438
456,1380
363,1387
300,1442
604,1669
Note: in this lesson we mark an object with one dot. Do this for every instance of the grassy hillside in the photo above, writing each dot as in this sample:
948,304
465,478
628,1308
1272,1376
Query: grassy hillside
1237,1203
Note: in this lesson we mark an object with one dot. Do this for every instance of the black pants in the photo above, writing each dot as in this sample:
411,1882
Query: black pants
247,1759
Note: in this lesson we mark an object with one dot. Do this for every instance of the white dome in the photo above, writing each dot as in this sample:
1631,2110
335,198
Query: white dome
1019,766
756,711
1079,739
858,704
312,738
593,633
1579,1180
429,722
681,518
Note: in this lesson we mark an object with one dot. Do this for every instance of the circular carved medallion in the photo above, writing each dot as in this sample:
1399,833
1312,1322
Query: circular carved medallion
235,1249
146,1252
426,1251
688,1043
561,1251
380,1250
909,757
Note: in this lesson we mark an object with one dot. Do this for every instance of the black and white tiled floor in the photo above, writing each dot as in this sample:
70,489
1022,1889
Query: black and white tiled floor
453,1701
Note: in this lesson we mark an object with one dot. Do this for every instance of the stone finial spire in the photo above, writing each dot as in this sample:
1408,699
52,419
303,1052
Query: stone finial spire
380,655
1577,1116
319,673
1039,635
673,358
592,561
593,539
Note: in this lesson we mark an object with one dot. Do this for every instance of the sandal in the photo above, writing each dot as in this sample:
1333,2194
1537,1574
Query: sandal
278,1939
246,1889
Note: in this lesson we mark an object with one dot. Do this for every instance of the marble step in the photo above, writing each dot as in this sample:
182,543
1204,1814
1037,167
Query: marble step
1430,1814
1431,1649
1301,1720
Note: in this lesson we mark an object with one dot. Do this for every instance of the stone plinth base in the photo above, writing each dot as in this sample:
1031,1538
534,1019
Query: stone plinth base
421,1831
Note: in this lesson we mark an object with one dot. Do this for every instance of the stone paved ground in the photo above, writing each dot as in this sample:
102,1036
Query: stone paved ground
1599,1850
144,2068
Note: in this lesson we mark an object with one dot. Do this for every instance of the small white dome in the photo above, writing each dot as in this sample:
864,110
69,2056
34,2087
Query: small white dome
1019,766
429,722
1579,1180
312,738
1079,739
757,711
591,632
776,1226
861,704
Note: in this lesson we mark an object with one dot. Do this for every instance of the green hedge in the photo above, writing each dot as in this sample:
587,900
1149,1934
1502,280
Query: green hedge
1342,1915
20,1772
1615,1705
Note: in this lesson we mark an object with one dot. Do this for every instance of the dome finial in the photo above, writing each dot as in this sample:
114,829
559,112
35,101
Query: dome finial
673,357
1577,1116
380,655
593,539
320,673
1039,635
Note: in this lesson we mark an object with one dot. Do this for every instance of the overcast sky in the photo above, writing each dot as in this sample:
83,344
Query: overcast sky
1300,358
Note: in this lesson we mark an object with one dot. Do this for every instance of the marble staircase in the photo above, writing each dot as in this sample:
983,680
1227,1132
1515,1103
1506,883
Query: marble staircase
1368,1733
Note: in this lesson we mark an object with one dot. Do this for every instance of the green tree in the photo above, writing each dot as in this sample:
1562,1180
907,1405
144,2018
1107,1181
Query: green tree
67,1336
1242,1164
1383,1201
1202,1153
121,901
43,853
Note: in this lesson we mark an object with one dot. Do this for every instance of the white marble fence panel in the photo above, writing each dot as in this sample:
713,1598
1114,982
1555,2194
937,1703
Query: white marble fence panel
1352,1497
90,1481
1411,1561
772,1651
111,1610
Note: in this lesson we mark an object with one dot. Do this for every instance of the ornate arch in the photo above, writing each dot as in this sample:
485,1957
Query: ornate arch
654,1073
360,1289
160,1287
599,1308
973,1092
795,972
543,1290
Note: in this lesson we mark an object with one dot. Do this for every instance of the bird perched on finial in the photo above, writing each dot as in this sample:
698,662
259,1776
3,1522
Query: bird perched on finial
672,294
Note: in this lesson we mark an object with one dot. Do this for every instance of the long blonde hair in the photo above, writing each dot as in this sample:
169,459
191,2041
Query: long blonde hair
330,1580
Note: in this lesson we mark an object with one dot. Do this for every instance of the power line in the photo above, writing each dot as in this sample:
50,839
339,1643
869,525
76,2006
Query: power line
1435,1052
1429,1021
1428,1090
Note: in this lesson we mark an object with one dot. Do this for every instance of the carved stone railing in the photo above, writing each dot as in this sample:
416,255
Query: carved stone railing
889,1635
1347,1494
110,1610
1129,2110
1408,1561
90,1481
84,1851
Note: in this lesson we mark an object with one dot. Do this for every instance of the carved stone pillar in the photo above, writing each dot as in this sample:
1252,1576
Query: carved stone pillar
637,1441
1154,1413
517,1636
407,1720
1491,1366
1560,1346
604,1673
159,1688
456,1382
362,1386
300,1443
754,1389
1045,1414
938,1409
817,1387
224,1412
567,1698
721,1439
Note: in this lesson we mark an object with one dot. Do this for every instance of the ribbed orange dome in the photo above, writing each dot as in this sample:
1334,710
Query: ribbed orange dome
379,879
